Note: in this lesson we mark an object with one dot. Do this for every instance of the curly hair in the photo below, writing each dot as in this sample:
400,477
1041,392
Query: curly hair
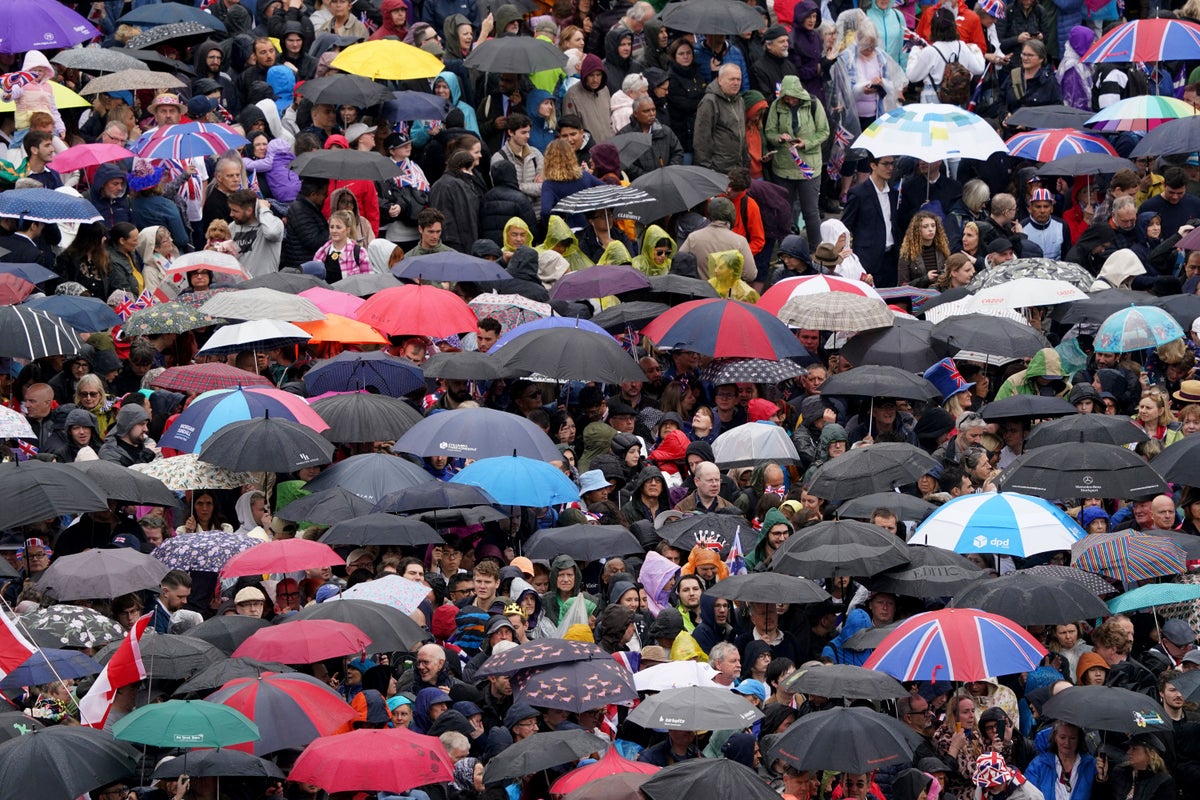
561,163
910,248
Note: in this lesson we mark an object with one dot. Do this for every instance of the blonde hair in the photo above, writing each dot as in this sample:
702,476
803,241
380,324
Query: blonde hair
346,218
561,163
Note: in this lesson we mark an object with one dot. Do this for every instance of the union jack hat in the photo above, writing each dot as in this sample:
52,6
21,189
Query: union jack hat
993,8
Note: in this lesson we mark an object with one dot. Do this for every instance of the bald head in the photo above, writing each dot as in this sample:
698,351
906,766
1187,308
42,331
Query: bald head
1162,511
39,397
430,660
708,481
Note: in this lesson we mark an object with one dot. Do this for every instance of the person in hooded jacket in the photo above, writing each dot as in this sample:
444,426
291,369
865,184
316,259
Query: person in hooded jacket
562,589
857,620
503,202
111,199
447,85
456,195
527,597
617,626
657,252
911,784
646,503
82,433
591,99
1043,376
1092,248
775,530
394,20
831,435
210,62
523,267
618,57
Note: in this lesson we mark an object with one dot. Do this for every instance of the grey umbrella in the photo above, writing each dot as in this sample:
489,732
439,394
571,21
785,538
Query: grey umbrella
845,740
362,417
879,467
1103,428
840,547
707,779
101,574
930,572
165,33
844,680
904,506
519,54
468,365
126,485
345,165
325,507
712,16
171,658
131,79
216,675
266,445
1032,599
63,761
388,628
695,708
366,285
769,587
98,59
541,751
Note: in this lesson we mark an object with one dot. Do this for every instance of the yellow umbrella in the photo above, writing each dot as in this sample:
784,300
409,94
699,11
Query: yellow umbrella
388,60
63,98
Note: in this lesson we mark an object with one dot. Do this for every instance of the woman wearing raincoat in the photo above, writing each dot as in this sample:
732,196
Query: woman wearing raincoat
725,268
560,239
658,249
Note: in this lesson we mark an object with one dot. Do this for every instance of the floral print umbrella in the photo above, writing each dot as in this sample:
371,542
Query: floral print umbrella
187,471
510,310
71,626
173,317
206,551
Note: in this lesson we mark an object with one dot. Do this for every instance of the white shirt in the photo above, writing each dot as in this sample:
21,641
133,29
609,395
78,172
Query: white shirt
885,206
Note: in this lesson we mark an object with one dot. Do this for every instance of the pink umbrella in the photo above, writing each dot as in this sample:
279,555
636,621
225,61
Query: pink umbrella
82,156
778,295
303,641
281,555
334,302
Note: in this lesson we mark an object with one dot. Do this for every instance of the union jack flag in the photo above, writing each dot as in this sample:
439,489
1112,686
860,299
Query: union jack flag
129,305
805,170
25,450
735,560
842,136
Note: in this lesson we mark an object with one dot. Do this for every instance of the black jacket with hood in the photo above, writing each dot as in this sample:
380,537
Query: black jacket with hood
112,209
502,202
615,66
230,98
523,267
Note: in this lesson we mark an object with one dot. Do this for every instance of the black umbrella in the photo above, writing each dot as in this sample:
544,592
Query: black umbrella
380,529
226,633
352,90
101,574
712,16
1034,117
32,491
906,344
479,433
371,476
6,570
615,319
931,572
568,354
768,587
1083,470
1085,164
434,496
519,54
325,507
149,16
29,333
14,724
707,779
1180,463
540,654
982,333
345,165
449,517
217,675
63,761
170,658
880,381
631,146
844,680
695,708
388,628
582,542
1102,428
845,740
1027,405
538,752
126,485
165,33
870,638
1095,584
1108,708
578,686
223,763
468,365
266,445
904,506
750,370
875,468
289,282
704,529
364,417
840,547
1172,137
160,63
666,288
678,188
1185,308
1032,599
1101,305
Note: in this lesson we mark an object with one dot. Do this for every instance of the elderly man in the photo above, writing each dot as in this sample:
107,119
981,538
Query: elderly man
249,602
707,496
727,661
721,116
1113,642
429,671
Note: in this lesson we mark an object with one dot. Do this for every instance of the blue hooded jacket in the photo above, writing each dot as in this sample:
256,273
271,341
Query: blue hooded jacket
420,128
540,135
857,620
282,81
114,209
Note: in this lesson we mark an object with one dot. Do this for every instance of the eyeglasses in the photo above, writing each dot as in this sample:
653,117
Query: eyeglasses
89,394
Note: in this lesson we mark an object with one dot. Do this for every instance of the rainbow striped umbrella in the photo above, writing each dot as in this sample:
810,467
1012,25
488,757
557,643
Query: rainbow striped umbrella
213,410
1051,143
1129,556
1142,113
956,644
1146,41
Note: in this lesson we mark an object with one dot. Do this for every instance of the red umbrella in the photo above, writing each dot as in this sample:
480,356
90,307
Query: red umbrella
418,309
305,641
14,289
290,709
383,760
82,156
200,378
611,763
281,555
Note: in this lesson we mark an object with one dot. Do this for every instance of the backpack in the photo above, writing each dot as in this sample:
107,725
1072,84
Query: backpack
955,88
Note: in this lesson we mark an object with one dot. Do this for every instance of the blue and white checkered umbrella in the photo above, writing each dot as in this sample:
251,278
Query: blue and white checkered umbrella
46,205
1136,328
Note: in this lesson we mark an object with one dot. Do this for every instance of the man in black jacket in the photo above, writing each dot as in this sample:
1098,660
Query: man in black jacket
456,196
767,71
306,229
504,201
664,149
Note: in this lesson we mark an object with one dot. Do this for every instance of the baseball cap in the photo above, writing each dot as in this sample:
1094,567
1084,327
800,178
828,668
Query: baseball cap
752,688
524,564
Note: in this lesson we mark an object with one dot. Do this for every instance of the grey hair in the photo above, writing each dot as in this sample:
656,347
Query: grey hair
1123,203
640,11
866,35
635,83
719,653
975,194
727,69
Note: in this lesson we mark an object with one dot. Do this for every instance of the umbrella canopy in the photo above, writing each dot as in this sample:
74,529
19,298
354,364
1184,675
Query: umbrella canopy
711,16
64,760
677,188
510,310
357,165
388,60
325,507
401,760
1028,405
203,551
1152,595
904,506
1093,583
50,665
1008,523
262,304
186,724
390,590
164,33
1086,470
1108,708
409,105
631,146
290,709
1136,328
599,281
343,330
227,632
28,333
61,626
519,481
930,572
541,751
30,25
388,628
418,309
188,140
31,491
279,556
987,334
171,317
339,89
1177,136
81,156
598,198
839,547
789,288
578,686
844,680
930,132
612,763
1084,164
150,16
170,658
352,371
1049,144
119,483
449,266
836,311
878,467
14,290
97,59
200,378
1180,463
187,471
1102,428
366,285
304,641
582,542
546,323
707,779
218,764
906,344
1043,268
844,740
289,282
1147,41
259,335
433,496
880,381
1023,292
46,205
609,787
15,425
371,476
567,354
101,574
674,675
217,675
540,654
380,529
749,370
477,433
749,445
1141,113
1032,599
695,708
364,417
266,445
956,644
1099,306
769,587
212,411
468,365
723,329
1129,556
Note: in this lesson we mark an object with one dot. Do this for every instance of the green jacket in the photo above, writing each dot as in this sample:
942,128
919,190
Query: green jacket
807,122
1044,362
757,556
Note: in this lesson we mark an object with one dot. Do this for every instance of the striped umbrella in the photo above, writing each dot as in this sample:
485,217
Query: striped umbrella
29,333
1136,328
213,410
1051,143
1141,113
1147,41
956,644
1129,556
597,198
775,297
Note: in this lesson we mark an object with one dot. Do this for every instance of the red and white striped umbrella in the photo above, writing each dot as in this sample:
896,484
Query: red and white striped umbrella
775,297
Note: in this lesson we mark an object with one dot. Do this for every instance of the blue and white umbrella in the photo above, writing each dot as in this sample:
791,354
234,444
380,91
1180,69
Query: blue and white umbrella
46,205
517,481
1006,523
1136,328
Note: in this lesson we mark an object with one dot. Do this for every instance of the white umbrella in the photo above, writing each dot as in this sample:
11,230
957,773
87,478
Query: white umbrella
673,675
1028,292
930,132
249,304
747,445
973,304
1007,523
263,334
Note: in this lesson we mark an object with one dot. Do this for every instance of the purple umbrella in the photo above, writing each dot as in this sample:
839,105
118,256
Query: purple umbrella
35,25
599,281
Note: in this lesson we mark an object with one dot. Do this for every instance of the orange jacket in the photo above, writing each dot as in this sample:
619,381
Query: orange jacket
752,226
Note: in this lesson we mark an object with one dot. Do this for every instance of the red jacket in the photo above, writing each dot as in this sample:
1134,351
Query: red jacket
969,29
752,226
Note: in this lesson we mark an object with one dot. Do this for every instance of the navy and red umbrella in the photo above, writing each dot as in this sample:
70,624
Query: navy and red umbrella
290,709
724,329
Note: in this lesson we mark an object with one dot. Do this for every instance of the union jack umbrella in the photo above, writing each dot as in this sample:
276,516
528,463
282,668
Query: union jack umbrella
1147,41
1051,143
956,644
188,140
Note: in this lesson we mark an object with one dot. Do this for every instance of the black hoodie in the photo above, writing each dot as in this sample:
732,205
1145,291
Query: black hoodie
615,66
229,99
502,202
523,267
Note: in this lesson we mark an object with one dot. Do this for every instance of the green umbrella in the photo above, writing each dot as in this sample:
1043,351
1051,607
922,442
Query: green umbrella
173,317
186,724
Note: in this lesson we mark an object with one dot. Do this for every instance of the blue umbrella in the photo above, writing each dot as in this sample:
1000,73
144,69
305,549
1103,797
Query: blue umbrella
37,25
371,476
187,140
477,433
450,266
351,371
1154,594
50,664
1136,328
517,481
549,322
165,13
84,314
46,205
215,409
34,273
415,105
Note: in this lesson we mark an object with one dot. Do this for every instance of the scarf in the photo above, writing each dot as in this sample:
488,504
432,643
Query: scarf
411,175
464,774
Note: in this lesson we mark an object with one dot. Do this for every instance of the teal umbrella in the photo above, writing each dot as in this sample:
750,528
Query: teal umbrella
1153,594
186,724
